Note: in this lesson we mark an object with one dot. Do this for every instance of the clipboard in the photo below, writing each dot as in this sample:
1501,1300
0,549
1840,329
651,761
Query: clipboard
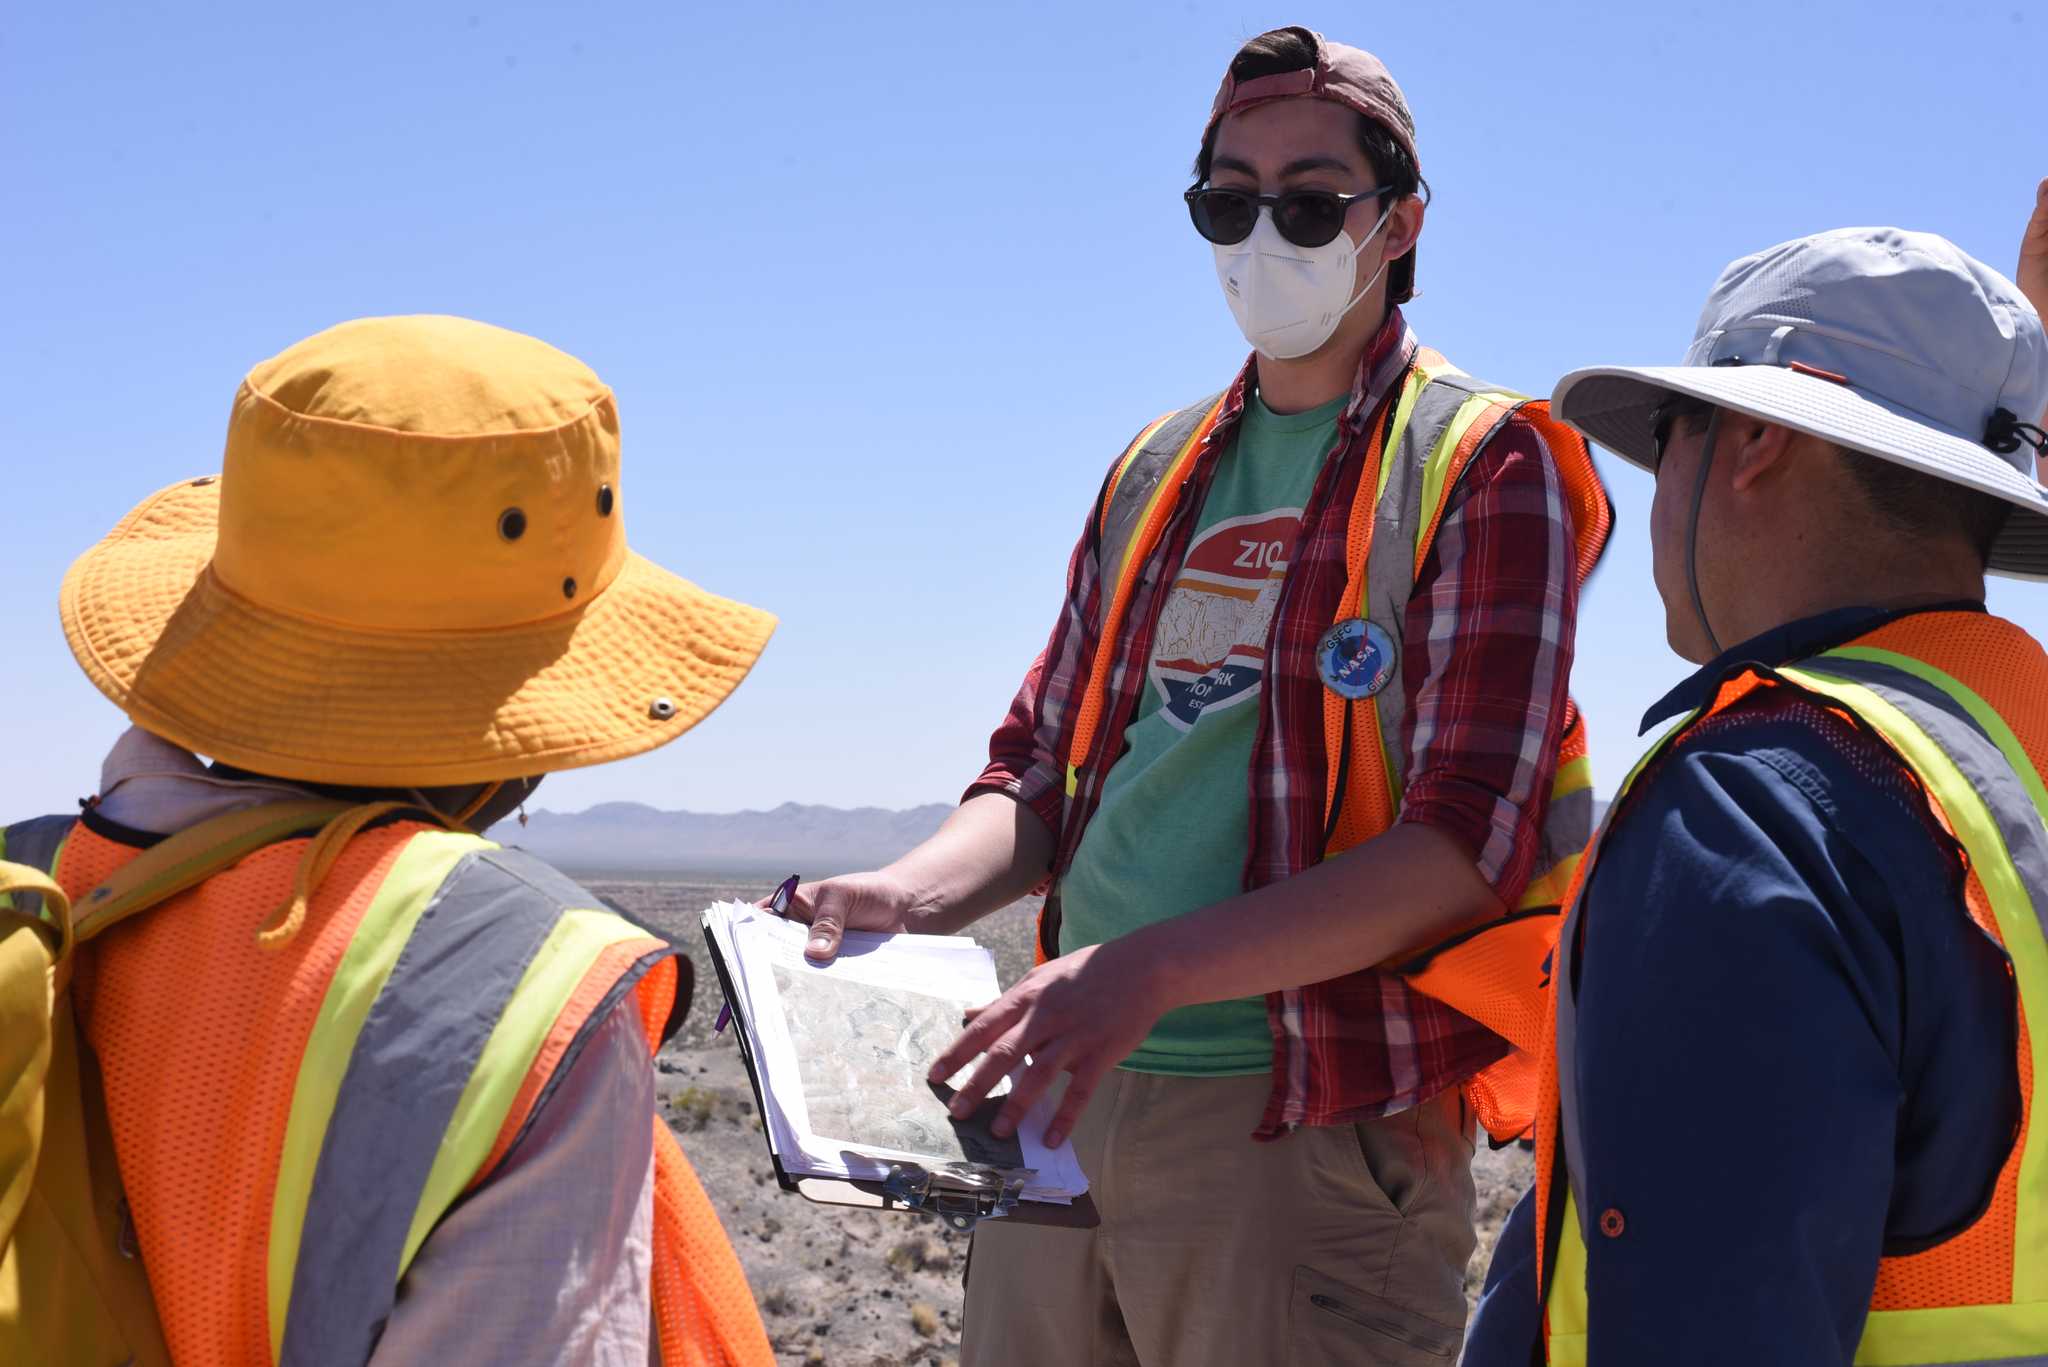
958,1195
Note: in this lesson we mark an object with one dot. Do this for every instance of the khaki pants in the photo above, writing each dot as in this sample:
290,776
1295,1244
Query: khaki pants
1335,1245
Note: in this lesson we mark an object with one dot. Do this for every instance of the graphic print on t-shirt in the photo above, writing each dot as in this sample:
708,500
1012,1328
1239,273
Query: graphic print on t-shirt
1211,648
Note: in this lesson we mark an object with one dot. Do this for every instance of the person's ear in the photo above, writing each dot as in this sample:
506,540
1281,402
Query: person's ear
1404,227
1757,451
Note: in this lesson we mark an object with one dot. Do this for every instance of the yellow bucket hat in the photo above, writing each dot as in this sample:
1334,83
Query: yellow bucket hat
412,570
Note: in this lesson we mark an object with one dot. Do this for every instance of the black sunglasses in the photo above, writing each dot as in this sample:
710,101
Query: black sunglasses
1665,416
1307,218
1661,419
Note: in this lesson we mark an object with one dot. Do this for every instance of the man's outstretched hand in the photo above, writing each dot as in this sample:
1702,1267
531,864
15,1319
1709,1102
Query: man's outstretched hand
854,901
1082,1013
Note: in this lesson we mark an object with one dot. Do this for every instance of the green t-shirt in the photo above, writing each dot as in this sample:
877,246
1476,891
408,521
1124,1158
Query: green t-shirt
1171,832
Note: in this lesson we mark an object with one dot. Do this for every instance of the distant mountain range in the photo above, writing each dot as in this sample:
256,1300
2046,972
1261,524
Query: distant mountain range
629,837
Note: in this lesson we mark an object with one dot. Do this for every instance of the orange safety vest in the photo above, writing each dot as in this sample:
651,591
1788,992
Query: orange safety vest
292,1122
1438,420
1963,699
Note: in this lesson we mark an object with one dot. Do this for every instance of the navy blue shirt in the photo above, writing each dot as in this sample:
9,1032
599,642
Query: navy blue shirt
1795,1048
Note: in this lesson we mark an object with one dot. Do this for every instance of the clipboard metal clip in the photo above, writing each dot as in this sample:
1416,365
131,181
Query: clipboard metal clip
959,1194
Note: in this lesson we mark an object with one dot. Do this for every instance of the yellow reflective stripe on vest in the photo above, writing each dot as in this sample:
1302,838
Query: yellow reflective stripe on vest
1573,776
1550,889
1434,474
553,976
1567,1313
2019,921
1997,1333
453,990
387,924
1564,1298
1993,1335
1116,476
1412,385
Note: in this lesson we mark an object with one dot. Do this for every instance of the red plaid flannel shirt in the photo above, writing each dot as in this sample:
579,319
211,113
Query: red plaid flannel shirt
1487,649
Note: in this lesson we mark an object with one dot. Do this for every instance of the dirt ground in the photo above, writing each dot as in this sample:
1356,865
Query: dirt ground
849,1287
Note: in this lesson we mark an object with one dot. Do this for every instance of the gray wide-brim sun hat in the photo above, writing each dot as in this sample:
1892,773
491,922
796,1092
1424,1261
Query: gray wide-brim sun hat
1892,343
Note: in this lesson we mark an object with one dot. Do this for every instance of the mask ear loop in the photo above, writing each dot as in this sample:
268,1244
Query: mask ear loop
1359,246
1692,530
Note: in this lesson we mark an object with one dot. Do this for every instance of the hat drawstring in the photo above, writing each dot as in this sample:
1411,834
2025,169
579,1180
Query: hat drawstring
321,853
2005,433
477,803
1692,531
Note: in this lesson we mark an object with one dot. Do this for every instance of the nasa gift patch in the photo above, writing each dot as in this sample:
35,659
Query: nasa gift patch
1355,658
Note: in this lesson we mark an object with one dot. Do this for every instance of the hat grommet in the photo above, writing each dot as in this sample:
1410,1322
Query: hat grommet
512,524
569,587
662,709
605,500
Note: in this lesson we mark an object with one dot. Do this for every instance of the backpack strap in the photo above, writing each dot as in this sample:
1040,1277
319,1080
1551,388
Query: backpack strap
194,855
54,921
70,1284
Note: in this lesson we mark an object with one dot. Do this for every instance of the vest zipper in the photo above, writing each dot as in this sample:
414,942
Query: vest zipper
1343,778
130,1242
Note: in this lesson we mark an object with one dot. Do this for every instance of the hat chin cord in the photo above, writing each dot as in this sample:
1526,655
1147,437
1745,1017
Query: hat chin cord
326,847
476,804
1692,532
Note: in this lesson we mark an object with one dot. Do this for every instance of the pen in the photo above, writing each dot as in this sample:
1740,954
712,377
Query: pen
778,904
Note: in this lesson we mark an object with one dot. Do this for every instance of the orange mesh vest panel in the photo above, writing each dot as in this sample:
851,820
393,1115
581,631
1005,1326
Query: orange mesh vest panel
1967,1299
211,1048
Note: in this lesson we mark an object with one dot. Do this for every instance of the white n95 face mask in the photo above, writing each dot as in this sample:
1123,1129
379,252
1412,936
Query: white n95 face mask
1287,299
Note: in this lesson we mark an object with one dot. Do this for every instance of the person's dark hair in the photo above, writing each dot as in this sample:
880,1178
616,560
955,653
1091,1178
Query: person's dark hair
1283,50
1923,506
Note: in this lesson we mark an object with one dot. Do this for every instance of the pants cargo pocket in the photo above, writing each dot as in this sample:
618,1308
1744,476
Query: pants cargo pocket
1334,1325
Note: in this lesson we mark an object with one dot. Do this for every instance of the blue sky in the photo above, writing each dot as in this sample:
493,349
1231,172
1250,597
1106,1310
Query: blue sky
883,288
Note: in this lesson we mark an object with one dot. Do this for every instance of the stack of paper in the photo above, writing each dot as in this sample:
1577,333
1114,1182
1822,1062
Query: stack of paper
840,1053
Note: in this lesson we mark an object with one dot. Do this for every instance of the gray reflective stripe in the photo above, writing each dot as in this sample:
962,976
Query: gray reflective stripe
35,842
1974,754
1390,570
1141,475
412,1059
1567,825
1890,681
